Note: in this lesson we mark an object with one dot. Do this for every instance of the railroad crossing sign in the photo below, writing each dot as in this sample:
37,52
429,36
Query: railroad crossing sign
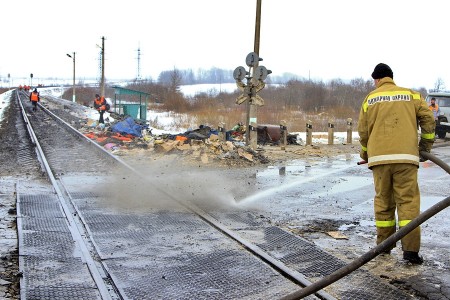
255,80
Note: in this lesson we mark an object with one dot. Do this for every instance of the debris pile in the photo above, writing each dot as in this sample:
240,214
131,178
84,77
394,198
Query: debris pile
201,144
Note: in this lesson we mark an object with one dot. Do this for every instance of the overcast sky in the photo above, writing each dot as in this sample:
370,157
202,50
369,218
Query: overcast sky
317,39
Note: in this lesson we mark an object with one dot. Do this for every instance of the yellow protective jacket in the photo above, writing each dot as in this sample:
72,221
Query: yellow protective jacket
388,125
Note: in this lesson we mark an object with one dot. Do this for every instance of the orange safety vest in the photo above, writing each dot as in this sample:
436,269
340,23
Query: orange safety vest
435,108
100,103
34,97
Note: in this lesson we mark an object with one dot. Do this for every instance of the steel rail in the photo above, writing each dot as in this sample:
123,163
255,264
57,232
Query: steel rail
74,230
287,272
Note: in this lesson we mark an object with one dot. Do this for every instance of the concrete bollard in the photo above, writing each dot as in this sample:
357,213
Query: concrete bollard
309,129
349,130
222,132
330,132
283,132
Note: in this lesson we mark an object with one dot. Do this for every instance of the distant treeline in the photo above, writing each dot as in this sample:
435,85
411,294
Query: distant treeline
213,75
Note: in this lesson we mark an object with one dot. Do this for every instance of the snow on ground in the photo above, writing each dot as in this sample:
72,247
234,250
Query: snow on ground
168,120
214,89
4,102
211,88
322,137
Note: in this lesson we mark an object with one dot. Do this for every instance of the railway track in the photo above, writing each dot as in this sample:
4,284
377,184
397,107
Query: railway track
139,240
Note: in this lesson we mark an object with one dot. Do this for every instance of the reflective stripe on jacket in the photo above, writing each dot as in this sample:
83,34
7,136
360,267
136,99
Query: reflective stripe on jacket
387,124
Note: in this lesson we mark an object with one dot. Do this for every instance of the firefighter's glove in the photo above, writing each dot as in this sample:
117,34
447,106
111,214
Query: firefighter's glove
421,158
425,145
363,155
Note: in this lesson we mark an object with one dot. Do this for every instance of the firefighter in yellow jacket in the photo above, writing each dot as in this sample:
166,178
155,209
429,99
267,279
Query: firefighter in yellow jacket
389,140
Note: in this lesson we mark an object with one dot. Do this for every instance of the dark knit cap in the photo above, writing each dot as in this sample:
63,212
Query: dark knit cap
381,71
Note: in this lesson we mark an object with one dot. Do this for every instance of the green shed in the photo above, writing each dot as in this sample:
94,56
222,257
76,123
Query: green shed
130,102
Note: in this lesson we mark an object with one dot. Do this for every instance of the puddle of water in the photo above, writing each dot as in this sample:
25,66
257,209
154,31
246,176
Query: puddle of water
288,185
362,223
273,171
346,184
367,223
428,201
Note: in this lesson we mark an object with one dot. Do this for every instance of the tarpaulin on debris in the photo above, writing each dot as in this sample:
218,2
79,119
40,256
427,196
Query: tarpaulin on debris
128,126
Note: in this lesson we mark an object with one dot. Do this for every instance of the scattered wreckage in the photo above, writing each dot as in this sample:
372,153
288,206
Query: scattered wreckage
203,143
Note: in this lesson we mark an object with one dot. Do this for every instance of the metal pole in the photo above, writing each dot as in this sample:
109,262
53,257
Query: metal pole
102,83
73,83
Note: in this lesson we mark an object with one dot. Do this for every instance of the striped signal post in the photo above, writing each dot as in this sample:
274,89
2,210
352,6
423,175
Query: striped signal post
309,129
349,130
283,131
330,132
222,132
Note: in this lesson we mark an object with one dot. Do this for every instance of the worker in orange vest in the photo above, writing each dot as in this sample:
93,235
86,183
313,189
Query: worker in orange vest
100,106
34,98
434,107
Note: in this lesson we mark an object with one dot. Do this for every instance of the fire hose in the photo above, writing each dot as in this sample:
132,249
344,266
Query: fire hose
371,254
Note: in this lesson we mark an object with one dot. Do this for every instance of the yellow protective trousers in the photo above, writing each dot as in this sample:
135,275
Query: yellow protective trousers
396,187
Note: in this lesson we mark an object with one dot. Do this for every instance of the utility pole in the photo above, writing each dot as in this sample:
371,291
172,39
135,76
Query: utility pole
73,84
251,108
257,26
102,81
138,77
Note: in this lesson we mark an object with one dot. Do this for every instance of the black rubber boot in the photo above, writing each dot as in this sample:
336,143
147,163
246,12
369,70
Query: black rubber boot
413,257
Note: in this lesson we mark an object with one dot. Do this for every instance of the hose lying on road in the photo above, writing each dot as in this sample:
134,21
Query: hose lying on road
368,256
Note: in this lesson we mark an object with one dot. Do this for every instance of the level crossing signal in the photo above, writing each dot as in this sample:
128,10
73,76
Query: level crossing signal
255,80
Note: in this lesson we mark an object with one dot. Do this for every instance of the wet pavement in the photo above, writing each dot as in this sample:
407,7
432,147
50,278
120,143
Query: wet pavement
307,198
